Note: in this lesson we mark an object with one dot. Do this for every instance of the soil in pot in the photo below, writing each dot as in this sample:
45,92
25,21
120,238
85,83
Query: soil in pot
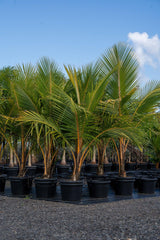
71,190
98,188
45,188
147,185
124,186
20,186
3,178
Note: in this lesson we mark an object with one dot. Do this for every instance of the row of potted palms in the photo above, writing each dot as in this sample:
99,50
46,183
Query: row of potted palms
92,106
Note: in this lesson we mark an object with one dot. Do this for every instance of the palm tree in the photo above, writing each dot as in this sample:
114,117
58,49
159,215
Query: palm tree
21,98
7,75
70,111
72,116
153,146
122,91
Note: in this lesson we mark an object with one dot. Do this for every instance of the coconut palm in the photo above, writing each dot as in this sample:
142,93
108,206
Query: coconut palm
153,147
70,110
72,116
21,97
122,91
7,75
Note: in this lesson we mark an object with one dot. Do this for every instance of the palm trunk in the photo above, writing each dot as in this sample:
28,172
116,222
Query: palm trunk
105,158
11,162
100,159
75,177
30,160
34,159
122,172
4,151
157,165
23,160
15,147
1,151
45,166
94,156
63,161
15,160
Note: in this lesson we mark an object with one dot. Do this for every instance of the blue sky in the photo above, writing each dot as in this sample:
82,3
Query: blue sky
77,32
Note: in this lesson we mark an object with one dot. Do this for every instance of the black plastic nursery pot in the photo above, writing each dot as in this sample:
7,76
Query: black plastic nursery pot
107,167
45,188
3,178
137,179
83,170
1,169
94,176
143,166
130,166
91,168
115,167
39,169
31,171
11,171
98,188
20,186
147,185
151,165
71,190
124,185
63,169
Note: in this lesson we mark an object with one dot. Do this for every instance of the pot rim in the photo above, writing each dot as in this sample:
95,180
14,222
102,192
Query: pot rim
71,182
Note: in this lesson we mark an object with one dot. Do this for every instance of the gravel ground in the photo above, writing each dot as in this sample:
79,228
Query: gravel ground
30,219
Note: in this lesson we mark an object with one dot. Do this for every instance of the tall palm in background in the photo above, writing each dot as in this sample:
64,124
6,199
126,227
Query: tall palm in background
122,91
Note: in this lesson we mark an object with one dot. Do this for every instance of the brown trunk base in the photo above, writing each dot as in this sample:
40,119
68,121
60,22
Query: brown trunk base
100,170
157,165
122,174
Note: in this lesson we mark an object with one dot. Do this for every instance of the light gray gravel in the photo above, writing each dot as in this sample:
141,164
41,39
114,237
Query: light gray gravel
29,219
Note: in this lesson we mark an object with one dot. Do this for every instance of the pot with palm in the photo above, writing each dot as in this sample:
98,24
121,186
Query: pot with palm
46,185
71,117
63,169
70,109
130,111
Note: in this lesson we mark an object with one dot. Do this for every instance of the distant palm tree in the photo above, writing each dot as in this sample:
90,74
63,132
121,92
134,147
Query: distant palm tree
153,146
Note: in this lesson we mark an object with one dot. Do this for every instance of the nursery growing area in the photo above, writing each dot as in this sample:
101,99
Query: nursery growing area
93,126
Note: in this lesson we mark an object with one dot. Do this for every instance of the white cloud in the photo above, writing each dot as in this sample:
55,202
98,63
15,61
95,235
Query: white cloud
147,49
